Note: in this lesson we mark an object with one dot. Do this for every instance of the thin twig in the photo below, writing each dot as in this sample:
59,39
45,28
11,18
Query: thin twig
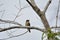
19,15
47,5
8,21
55,27
57,14
14,36
9,32
19,12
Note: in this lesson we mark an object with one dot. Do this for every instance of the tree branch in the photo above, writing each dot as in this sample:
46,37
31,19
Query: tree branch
47,5
22,27
8,21
41,15
55,27
14,36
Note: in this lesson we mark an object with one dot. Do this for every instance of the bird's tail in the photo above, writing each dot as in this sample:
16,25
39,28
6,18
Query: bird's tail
29,30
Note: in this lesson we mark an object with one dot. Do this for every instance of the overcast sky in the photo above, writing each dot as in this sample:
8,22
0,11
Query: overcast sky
12,7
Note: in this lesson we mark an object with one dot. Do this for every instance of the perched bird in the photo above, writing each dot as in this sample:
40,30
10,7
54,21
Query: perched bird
27,23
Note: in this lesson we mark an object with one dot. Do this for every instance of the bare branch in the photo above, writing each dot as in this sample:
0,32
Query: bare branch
55,27
47,5
41,15
20,11
57,13
22,27
34,7
8,21
14,36
33,2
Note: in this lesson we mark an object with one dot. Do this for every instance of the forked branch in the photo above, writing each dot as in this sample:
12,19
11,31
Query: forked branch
8,21
40,14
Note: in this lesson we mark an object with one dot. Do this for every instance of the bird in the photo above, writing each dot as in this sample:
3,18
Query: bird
27,23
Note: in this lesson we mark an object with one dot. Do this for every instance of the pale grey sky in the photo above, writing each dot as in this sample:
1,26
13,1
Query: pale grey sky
11,11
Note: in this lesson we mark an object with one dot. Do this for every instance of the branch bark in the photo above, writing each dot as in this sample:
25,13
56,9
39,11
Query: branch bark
40,14
22,27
